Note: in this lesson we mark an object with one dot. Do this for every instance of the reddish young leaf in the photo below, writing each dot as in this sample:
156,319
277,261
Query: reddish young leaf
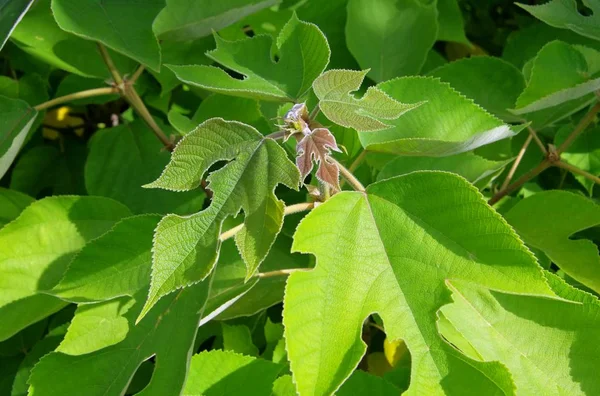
317,145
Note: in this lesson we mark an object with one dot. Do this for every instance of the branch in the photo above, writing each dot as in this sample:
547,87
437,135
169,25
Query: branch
77,95
291,209
350,178
138,105
283,272
277,135
545,164
584,123
136,75
578,171
515,164
539,142
110,64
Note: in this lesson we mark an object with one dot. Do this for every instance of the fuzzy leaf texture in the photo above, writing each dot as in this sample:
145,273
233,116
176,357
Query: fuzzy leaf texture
547,221
186,248
389,251
317,146
559,73
303,55
334,88
564,14
447,123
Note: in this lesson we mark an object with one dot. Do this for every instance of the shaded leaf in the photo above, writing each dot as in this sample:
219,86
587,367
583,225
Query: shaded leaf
126,27
303,55
317,146
548,219
376,27
183,20
363,263
11,13
334,87
237,338
36,248
12,204
16,119
446,123
451,26
186,248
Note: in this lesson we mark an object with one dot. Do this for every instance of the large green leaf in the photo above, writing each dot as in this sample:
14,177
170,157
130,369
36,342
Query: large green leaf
559,73
334,89
61,49
470,166
491,82
451,26
126,27
547,220
12,204
16,119
391,37
390,251
215,373
447,123
564,14
183,20
186,248
167,333
124,158
11,13
116,264
36,248
303,54
550,346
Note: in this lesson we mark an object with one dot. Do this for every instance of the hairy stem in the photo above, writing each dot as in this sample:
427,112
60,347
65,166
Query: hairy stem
138,105
314,113
283,272
538,141
291,209
136,75
583,124
350,178
516,163
545,164
110,64
77,95
578,171
276,135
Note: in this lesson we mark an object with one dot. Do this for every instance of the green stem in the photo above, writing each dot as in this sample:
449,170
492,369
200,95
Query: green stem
545,164
111,66
578,171
583,124
515,164
538,141
283,272
136,75
350,178
77,95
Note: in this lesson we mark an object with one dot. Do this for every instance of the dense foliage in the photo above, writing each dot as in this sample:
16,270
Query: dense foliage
263,197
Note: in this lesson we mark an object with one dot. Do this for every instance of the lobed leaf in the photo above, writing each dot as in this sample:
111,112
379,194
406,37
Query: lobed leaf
547,220
186,248
35,250
303,54
389,251
446,124
334,87
317,146
123,26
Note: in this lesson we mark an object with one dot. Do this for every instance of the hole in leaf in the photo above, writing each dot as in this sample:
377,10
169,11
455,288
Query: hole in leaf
583,9
141,378
248,31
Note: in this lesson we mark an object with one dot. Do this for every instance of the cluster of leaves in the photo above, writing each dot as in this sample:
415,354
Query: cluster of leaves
157,159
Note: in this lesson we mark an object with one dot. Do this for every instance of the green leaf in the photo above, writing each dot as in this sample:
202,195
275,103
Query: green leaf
183,20
96,326
468,165
564,14
584,152
547,220
559,73
36,248
361,383
74,83
167,333
115,264
447,123
450,22
126,27
334,87
186,248
216,373
12,204
547,344
374,28
11,13
31,88
491,82
303,54
237,338
61,49
363,263
16,119
124,158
